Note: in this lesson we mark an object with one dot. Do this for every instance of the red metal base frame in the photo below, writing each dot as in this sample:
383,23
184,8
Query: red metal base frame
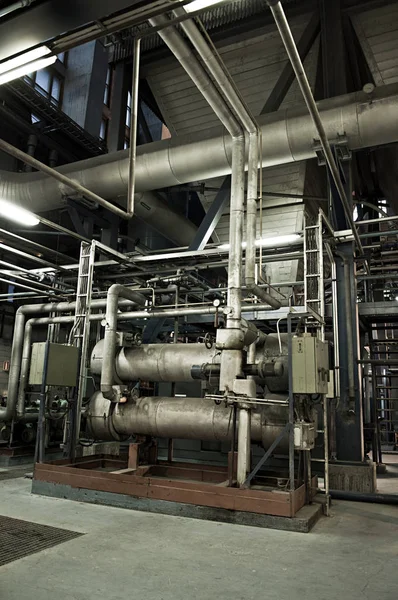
204,485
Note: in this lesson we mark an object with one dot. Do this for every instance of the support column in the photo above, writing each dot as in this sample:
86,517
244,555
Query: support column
349,415
117,123
84,87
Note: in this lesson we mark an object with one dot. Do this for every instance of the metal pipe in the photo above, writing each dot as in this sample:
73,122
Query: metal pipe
39,247
365,497
7,413
288,136
134,125
371,221
154,362
66,181
15,6
126,316
298,67
115,292
24,286
231,364
228,91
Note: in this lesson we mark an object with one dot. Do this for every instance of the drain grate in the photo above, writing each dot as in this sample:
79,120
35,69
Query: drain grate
22,538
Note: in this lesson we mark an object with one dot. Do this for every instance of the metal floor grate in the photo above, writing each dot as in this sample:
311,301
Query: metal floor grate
22,538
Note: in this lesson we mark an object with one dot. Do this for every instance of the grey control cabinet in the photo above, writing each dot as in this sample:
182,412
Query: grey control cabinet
310,357
62,366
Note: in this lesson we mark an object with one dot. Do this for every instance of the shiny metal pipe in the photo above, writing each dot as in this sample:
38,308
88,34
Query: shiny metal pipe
154,362
288,136
66,181
7,413
115,292
134,125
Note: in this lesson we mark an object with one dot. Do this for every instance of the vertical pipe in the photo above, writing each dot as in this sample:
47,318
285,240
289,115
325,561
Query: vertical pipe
291,403
41,433
243,445
25,364
134,125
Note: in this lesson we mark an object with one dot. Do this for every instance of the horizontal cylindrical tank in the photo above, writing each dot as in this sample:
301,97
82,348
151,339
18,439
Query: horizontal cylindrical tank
156,362
179,418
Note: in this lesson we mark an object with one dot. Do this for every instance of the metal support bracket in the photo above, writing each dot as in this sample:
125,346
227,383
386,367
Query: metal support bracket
340,146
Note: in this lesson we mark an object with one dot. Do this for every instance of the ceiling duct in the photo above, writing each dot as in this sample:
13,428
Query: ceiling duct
361,121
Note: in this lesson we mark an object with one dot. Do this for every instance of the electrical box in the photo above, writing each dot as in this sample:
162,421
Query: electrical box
310,357
62,367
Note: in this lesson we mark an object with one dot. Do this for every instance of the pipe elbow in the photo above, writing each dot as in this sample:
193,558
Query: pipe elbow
262,294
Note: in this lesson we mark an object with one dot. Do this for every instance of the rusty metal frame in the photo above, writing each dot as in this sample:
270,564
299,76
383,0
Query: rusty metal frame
204,485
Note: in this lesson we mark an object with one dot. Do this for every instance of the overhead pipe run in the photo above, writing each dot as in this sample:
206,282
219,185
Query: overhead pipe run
147,206
287,136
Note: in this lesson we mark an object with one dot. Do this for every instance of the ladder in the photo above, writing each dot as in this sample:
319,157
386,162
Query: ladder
81,325
385,390
314,302
314,299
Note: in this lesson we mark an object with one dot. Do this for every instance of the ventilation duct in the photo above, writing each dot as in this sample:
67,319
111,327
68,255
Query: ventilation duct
288,135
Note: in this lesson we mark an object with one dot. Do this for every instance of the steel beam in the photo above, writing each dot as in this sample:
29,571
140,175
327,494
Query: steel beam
287,76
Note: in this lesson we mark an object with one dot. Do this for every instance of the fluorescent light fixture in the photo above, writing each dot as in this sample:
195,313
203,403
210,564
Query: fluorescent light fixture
24,69
200,4
23,59
280,240
12,212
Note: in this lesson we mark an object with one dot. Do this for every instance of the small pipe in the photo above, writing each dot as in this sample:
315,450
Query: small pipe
371,221
70,183
365,497
15,6
298,67
94,317
134,125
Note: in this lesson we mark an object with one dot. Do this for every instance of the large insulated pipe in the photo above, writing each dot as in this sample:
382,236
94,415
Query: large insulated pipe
179,418
115,292
288,136
155,362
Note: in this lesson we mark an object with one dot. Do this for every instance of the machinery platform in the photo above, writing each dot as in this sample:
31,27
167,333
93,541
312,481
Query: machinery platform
180,489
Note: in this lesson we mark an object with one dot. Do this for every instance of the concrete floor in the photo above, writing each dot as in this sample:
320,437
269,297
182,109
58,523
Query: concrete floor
127,554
